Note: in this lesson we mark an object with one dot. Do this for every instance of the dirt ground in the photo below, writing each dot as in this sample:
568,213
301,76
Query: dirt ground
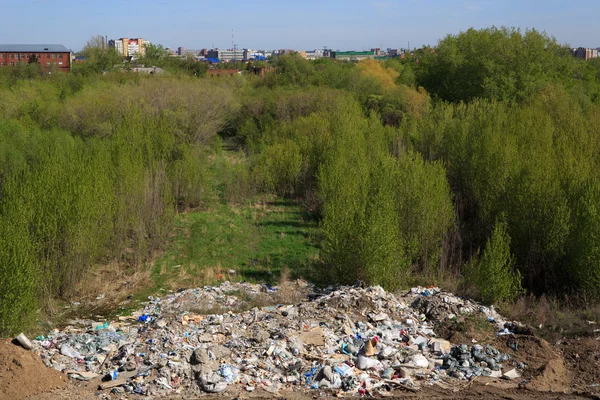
477,390
23,374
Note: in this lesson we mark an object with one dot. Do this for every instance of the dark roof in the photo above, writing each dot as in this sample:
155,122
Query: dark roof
33,48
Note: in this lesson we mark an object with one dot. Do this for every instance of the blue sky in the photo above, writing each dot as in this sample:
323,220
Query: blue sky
300,25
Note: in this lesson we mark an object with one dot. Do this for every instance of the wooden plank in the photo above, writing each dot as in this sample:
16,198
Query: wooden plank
120,381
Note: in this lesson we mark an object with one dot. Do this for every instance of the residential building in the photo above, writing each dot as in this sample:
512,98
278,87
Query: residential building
136,47
584,53
129,47
117,45
47,55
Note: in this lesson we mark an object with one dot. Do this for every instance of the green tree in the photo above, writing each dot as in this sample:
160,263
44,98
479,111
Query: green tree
493,274
499,63
98,56
153,54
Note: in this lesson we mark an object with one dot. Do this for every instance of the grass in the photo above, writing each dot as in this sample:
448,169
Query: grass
264,242
253,243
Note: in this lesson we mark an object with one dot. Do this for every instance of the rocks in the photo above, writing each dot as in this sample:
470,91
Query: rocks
343,338
199,356
512,374
440,346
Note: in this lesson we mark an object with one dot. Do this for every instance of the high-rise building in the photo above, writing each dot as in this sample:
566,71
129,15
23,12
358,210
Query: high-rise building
136,47
181,51
129,47
117,45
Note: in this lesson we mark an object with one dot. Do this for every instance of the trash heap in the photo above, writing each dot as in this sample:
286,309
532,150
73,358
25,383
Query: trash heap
349,340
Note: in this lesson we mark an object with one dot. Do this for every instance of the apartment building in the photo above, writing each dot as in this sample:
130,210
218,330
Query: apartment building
129,47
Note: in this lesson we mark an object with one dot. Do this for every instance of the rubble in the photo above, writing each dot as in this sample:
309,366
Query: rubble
349,340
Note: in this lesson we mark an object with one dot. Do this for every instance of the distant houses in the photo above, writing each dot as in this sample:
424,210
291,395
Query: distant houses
584,53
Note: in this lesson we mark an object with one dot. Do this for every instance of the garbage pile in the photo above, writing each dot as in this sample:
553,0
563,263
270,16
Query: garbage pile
349,340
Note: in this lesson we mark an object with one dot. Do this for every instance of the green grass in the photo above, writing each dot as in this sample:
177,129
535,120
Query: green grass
257,241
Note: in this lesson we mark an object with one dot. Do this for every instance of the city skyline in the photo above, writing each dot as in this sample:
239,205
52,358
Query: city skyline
337,24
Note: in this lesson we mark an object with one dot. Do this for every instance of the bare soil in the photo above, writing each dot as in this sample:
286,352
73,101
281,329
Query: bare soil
23,374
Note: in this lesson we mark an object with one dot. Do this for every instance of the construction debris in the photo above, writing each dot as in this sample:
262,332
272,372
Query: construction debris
348,340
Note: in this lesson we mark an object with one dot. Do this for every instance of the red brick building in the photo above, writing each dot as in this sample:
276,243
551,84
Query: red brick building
48,55
217,73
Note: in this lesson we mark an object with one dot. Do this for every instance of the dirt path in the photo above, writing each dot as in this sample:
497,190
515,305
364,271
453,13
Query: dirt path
490,390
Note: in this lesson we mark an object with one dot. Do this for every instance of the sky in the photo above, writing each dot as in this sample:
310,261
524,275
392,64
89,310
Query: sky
285,24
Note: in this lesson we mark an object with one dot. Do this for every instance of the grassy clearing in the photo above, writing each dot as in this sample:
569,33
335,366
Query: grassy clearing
266,241
252,243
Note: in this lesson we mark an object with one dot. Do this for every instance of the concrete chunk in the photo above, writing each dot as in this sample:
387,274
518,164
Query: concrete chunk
512,374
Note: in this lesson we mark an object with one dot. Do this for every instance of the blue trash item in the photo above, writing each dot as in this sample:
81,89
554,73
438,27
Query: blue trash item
145,318
103,326
345,348
227,372
114,375
344,369
310,375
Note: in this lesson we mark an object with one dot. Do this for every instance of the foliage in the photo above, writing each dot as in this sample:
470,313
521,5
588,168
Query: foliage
101,181
157,56
154,54
386,76
493,274
500,63
497,156
385,215
98,56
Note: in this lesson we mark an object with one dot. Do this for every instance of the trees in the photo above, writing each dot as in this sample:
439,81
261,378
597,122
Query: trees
153,54
493,274
99,57
386,76
499,63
